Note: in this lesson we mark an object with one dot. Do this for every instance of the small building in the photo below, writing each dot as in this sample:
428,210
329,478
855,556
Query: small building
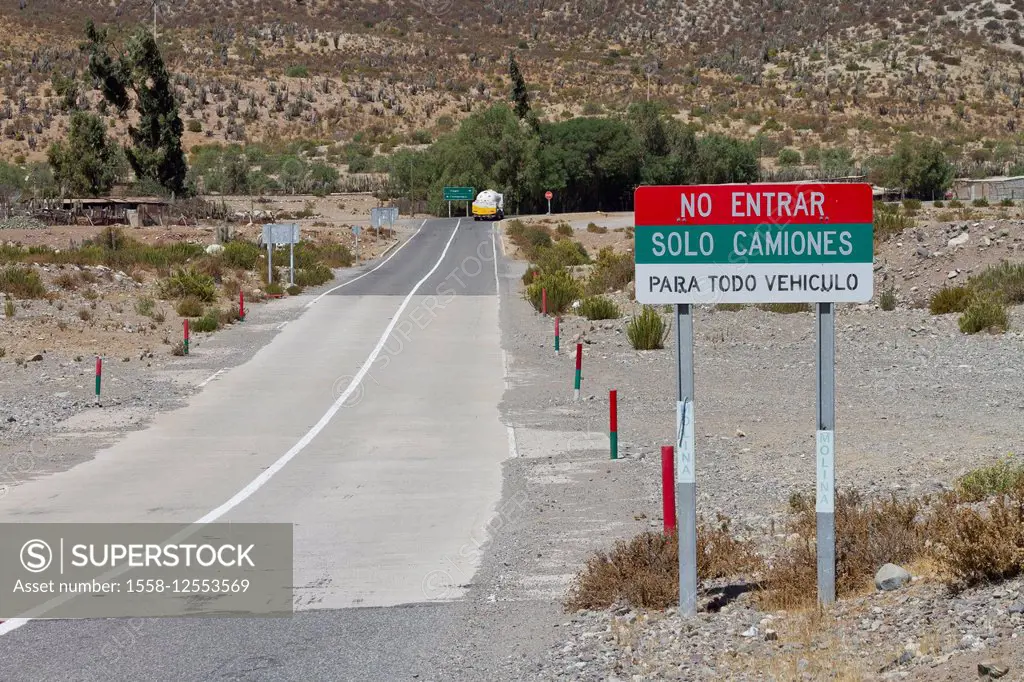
993,189
134,211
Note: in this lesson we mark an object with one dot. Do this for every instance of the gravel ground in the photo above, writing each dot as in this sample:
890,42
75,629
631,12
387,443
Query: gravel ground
918,404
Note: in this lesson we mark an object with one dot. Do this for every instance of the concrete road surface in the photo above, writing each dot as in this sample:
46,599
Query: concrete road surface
370,423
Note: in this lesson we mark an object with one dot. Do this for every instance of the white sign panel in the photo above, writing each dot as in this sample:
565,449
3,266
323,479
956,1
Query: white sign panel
280,234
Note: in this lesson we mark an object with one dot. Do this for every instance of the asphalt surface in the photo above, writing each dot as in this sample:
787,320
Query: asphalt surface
371,423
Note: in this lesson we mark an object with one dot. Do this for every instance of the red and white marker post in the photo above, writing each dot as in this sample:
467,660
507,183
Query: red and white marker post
668,488
241,305
186,334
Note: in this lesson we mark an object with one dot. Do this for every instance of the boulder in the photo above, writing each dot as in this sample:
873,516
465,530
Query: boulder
891,577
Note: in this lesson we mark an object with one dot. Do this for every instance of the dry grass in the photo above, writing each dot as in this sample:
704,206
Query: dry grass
816,652
21,282
868,535
644,572
979,545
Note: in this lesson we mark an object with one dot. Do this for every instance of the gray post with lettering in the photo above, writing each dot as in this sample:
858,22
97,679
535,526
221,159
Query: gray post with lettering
825,510
270,261
686,482
291,256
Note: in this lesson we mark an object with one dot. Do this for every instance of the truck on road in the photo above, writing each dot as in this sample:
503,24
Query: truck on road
489,205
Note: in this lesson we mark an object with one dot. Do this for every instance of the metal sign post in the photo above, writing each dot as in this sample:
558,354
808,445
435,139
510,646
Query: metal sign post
548,195
825,495
449,209
686,469
754,243
273,235
355,231
291,259
270,262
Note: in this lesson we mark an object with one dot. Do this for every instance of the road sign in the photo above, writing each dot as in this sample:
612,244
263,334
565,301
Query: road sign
548,195
459,194
280,234
356,230
275,234
383,214
754,243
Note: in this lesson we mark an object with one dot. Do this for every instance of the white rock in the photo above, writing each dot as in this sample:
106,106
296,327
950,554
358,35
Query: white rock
214,250
959,240
891,577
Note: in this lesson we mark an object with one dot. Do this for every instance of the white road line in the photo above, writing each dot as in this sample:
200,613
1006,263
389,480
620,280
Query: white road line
212,377
269,472
283,324
379,266
513,450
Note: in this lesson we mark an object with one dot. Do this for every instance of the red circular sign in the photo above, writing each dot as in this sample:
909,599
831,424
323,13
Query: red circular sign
548,195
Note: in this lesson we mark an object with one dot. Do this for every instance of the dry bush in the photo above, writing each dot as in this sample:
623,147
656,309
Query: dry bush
868,535
67,280
978,545
190,306
1000,478
644,572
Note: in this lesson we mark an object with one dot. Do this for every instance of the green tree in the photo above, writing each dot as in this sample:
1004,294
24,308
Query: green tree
155,154
12,182
920,167
520,96
722,159
88,163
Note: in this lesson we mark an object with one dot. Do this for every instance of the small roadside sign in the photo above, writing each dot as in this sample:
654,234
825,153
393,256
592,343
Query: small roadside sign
356,230
754,243
280,234
548,195
459,194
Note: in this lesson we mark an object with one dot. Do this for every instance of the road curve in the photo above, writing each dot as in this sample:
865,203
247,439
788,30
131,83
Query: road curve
371,423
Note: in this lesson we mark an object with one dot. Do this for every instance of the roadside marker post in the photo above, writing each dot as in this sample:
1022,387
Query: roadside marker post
185,321
668,488
99,375
754,243
579,372
613,422
241,305
291,258
544,301
557,335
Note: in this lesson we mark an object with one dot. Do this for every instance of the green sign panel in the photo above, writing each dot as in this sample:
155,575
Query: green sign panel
459,194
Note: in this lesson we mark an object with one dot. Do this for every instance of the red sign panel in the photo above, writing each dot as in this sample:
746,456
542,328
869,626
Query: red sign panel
755,203
548,195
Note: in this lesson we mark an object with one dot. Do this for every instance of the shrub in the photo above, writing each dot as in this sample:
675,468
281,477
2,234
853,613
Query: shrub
562,290
868,535
528,238
145,305
980,203
785,308
887,300
313,276
67,281
889,221
178,348
956,203
984,313
21,282
938,204
997,479
647,331
1004,281
980,546
612,272
210,322
84,314
564,230
241,254
329,253
532,273
599,308
190,306
644,572
9,309
912,204
194,126
294,290
596,229
563,254
90,294
230,316
189,283
297,71
274,288
949,300
1008,203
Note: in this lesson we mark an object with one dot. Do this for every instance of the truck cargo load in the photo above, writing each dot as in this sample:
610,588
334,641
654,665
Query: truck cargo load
489,205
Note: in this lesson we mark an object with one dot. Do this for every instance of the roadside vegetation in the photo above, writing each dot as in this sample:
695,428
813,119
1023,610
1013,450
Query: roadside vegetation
982,301
972,535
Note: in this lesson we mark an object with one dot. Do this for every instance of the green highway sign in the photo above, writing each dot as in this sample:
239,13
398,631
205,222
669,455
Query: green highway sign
459,194
754,243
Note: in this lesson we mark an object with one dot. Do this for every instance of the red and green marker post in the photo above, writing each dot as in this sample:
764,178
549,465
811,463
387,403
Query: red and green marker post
186,335
544,301
99,375
613,422
579,371
557,335
241,305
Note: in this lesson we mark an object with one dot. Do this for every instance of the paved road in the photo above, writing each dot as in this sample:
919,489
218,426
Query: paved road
371,423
